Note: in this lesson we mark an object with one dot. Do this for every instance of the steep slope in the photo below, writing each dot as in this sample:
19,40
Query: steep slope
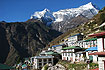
95,25
23,39
64,26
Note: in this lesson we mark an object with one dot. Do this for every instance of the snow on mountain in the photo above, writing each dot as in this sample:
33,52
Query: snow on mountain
88,10
43,14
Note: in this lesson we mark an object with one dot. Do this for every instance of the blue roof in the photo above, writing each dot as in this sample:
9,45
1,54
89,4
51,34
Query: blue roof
56,45
41,57
92,49
75,35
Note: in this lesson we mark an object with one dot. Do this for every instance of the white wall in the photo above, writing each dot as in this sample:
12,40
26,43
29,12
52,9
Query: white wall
101,63
100,44
95,58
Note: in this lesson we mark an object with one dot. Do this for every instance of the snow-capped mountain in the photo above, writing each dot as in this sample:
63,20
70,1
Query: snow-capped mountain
66,17
88,10
43,14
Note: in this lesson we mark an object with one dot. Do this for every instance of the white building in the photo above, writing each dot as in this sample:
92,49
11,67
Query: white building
93,58
57,48
72,40
101,49
73,54
40,61
90,43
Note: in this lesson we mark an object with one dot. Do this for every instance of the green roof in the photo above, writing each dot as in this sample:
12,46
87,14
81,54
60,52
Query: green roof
72,47
24,65
3,66
91,39
51,53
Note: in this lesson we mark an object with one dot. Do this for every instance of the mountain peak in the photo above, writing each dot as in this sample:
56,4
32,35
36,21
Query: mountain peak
87,10
40,14
89,5
46,10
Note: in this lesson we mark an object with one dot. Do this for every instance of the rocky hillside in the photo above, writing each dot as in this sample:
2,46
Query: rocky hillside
23,39
95,25
64,26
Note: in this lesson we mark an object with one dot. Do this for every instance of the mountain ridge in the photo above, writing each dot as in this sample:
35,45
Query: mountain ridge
70,13
61,20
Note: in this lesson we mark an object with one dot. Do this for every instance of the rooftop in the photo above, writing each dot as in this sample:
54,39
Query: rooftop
72,47
39,57
51,53
97,53
56,45
75,35
97,34
91,39
92,49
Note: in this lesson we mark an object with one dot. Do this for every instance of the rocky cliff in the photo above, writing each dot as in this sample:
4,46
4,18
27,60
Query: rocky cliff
19,40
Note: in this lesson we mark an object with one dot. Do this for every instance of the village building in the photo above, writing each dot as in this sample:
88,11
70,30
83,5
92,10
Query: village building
101,49
40,61
80,43
73,54
92,58
72,40
57,48
91,47
90,43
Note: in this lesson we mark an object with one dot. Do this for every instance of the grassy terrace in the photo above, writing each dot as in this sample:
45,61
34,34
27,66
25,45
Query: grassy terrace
77,66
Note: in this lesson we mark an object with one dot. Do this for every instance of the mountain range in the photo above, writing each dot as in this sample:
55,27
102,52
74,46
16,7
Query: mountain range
62,19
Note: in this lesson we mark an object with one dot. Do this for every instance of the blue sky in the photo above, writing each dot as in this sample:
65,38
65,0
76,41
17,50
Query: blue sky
21,10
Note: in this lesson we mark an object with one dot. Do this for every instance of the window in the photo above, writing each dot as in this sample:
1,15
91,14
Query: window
49,60
40,60
76,55
79,55
44,63
65,54
40,64
45,60
32,59
71,54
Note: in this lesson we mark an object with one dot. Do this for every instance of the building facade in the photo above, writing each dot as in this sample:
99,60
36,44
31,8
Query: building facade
101,49
72,40
40,61
72,54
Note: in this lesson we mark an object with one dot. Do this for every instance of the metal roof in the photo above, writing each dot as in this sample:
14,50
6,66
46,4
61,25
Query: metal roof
75,35
39,57
51,53
56,45
72,47
91,39
92,49
97,34
97,53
